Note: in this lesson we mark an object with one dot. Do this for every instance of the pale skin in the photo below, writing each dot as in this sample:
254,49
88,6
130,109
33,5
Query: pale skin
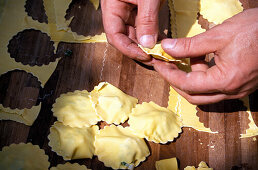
234,44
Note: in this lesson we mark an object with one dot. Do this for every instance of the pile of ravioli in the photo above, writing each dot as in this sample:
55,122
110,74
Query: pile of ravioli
75,134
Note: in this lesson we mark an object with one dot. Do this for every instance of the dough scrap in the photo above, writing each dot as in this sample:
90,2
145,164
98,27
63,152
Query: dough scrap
155,123
26,116
23,156
212,9
158,53
112,105
253,129
95,3
14,11
72,143
69,166
166,164
202,166
75,109
186,111
116,145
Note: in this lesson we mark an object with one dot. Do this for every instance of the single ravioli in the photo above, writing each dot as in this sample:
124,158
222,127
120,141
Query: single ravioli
155,123
75,109
166,164
186,111
69,166
158,53
23,156
72,143
112,105
202,166
26,116
217,11
117,147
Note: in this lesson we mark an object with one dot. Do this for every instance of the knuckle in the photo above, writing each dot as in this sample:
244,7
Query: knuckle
148,18
187,44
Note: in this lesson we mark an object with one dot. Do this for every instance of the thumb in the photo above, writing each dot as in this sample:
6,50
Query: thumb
196,46
147,22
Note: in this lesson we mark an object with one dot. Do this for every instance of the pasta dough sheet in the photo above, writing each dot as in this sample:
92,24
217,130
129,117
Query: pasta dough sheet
202,166
155,123
69,166
166,164
212,9
112,105
23,156
72,143
186,111
253,129
14,11
75,109
26,116
117,146
158,53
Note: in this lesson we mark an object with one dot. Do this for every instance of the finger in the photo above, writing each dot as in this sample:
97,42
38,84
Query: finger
202,99
147,22
199,64
116,34
131,33
128,47
204,43
193,82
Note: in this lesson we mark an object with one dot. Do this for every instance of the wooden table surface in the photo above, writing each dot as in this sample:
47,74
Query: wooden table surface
90,64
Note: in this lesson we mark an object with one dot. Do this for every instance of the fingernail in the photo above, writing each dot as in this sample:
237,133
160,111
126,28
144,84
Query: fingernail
147,41
169,43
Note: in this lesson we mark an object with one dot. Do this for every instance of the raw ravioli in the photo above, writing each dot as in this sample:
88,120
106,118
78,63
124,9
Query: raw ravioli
112,105
117,146
72,143
69,166
202,166
158,53
75,109
23,156
155,123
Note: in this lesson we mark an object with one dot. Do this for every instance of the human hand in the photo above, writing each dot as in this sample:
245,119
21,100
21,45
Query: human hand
235,47
129,22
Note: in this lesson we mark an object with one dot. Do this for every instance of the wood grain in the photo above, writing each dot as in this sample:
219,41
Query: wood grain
88,65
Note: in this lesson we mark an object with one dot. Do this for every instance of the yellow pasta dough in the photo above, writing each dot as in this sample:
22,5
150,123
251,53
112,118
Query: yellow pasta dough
26,116
12,22
117,146
72,143
75,109
217,11
158,53
166,164
112,105
186,111
23,156
155,123
253,129
69,166
202,166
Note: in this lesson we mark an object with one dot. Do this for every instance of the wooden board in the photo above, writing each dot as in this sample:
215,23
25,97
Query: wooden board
91,63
